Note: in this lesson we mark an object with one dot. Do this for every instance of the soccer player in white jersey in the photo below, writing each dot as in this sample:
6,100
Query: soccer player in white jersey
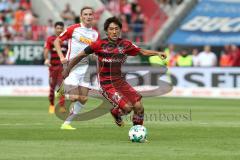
77,83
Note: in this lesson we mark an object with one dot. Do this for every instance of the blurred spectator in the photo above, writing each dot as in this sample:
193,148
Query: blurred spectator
38,31
235,55
50,28
225,58
138,28
9,17
7,56
14,5
157,61
195,57
171,55
18,20
19,36
207,58
4,5
10,59
126,10
125,27
68,15
3,58
184,59
2,18
6,32
26,4
28,20
114,7
138,25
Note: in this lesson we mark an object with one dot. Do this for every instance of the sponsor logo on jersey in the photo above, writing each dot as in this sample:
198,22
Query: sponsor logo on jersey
121,50
85,40
112,60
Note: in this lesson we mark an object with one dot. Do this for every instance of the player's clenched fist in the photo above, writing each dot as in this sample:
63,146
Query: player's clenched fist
63,60
162,55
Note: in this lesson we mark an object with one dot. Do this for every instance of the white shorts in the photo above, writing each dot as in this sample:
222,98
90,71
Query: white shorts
79,76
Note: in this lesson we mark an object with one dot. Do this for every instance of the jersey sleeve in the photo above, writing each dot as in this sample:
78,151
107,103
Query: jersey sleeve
132,49
92,48
67,33
98,36
47,43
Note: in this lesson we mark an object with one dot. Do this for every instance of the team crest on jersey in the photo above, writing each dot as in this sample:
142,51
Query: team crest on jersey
120,49
116,97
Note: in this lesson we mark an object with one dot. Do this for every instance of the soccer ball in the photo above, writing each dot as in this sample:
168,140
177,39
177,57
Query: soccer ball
138,133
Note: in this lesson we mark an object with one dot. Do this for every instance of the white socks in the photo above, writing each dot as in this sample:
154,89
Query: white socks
77,107
75,110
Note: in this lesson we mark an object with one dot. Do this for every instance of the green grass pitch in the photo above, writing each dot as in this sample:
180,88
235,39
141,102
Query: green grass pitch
179,129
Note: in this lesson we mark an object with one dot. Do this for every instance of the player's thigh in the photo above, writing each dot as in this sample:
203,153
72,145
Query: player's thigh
72,80
83,90
138,107
114,97
71,89
78,77
130,93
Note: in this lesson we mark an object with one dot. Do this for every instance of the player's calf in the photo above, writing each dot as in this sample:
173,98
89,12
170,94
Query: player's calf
127,109
116,114
138,115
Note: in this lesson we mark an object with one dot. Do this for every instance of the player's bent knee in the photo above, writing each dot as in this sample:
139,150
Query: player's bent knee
127,109
138,106
83,99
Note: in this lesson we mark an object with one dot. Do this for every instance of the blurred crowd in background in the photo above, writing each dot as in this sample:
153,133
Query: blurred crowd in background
133,19
18,22
228,56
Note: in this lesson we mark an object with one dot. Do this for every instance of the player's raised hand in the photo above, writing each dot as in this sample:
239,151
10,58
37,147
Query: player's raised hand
47,62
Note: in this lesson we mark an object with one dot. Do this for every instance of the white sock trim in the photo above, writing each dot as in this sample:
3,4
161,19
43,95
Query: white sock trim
77,107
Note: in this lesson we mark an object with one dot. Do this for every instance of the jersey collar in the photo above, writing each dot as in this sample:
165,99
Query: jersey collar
82,25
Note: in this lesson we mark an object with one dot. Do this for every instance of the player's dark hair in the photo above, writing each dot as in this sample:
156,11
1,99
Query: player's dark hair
86,7
112,20
59,23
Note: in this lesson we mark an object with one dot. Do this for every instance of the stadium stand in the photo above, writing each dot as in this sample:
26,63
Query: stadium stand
21,20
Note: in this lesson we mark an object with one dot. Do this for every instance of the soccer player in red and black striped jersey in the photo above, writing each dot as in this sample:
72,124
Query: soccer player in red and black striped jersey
112,53
55,66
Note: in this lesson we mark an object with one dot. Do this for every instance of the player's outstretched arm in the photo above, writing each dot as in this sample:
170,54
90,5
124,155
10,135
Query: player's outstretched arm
146,52
57,45
73,62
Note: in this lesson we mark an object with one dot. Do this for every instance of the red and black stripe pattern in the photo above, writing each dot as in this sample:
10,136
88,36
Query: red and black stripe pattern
111,56
54,58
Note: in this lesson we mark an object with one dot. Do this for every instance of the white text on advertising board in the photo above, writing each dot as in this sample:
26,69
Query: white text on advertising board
212,24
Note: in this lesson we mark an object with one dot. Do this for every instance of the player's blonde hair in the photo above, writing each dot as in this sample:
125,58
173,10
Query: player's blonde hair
86,7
